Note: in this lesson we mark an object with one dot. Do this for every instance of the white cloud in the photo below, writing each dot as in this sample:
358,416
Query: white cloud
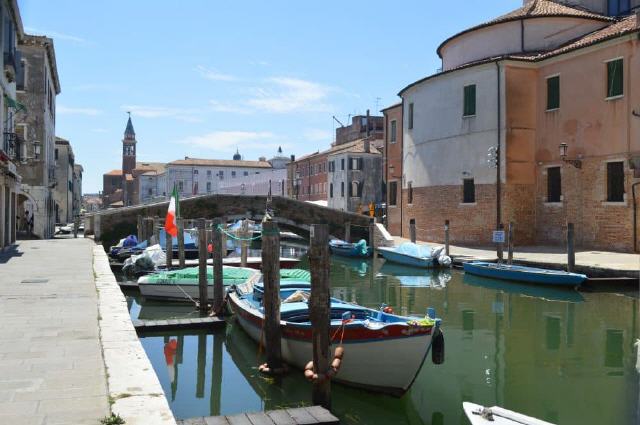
180,114
229,107
56,35
317,135
228,141
65,110
284,95
212,74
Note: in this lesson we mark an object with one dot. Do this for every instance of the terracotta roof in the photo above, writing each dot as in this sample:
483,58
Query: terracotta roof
618,29
534,9
395,105
114,173
158,167
221,163
355,146
626,26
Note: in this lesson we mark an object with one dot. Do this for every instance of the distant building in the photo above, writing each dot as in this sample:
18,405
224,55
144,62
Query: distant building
274,179
392,167
37,87
64,175
354,176
194,176
361,127
91,202
10,148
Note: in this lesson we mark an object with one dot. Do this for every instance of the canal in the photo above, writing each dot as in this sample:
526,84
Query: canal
563,356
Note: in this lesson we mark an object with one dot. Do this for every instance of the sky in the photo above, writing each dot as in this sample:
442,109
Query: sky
203,78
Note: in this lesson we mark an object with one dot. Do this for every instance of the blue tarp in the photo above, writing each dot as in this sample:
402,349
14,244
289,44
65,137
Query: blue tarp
189,242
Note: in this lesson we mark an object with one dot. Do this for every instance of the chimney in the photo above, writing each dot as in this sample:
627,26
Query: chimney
367,146
262,159
293,158
368,126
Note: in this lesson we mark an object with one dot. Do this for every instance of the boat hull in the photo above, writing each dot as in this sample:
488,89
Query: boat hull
524,274
349,250
390,254
387,365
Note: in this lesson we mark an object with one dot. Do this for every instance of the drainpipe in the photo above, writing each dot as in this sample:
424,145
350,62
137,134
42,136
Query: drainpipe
498,155
635,217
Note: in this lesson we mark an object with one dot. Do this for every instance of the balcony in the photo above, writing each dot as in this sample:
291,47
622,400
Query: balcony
11,145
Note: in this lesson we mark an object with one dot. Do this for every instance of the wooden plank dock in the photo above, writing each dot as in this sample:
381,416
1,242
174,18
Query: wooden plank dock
178,324
295,416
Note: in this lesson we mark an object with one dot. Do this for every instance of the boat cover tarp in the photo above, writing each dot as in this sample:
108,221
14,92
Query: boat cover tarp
189,240
295,275
230,275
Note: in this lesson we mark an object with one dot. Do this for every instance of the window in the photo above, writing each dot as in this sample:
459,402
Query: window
393,193
618,7
468,191
410,116
355,189
150,191
410,193
56,154
233,174
209,173
554,185
195,172
553,93
246,173
392,136
180,186
615,181
615,74
208,186
342,189
469,100
330,190
221,174
342,164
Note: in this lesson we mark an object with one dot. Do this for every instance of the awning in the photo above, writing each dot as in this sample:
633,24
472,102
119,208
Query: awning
15,104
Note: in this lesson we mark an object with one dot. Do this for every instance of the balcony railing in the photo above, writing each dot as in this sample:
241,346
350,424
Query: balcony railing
11,144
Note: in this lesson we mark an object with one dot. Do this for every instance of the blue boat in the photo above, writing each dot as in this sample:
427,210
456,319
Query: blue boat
544,292
410,254
353,250
524,274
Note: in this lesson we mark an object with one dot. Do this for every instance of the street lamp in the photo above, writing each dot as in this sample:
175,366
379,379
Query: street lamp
563,155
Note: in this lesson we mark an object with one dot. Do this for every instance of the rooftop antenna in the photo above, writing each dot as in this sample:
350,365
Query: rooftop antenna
378,99
338,121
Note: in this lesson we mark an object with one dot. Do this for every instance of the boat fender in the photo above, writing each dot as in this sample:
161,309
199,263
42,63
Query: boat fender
264,368
334,368
388,310
437,348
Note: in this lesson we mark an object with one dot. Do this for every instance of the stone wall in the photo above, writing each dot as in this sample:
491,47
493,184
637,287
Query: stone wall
111,225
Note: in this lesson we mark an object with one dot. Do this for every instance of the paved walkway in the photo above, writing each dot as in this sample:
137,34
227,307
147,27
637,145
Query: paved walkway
613,261
51,365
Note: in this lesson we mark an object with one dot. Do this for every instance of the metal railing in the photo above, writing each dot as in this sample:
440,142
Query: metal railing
11,144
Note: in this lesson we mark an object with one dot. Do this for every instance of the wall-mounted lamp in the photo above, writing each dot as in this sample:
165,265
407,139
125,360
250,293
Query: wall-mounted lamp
466,173
635,114
563,155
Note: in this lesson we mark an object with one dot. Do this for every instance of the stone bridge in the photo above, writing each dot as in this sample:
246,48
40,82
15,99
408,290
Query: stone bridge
111,225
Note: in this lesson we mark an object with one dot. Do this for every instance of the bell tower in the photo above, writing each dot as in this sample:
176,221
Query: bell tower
129,148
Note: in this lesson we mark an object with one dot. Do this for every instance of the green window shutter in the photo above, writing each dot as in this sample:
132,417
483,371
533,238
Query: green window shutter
553,93
615,78
470,100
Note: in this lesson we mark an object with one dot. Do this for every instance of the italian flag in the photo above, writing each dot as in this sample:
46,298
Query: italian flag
170,225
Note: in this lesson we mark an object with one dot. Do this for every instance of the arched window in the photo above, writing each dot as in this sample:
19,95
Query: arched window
355,189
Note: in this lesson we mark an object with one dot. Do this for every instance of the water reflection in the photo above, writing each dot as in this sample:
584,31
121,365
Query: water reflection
559,355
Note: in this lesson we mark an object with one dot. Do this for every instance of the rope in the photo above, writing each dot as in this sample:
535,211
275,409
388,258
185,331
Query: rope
187,295
238,238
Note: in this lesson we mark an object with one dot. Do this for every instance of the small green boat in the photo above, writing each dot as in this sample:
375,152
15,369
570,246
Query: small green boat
181,285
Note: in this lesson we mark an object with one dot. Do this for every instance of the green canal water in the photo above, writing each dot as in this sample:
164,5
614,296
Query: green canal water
559,355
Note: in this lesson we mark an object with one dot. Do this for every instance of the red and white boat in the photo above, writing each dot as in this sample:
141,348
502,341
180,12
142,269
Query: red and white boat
383,352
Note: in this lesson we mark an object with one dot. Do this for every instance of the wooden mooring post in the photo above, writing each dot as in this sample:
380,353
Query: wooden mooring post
76,224
446,238
372,234
347,232
156,228
412,230
169,249
148,229
202,265
140,228
500,245
571,248
244,244
271,300
180,223
319,308
218,253
510,243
